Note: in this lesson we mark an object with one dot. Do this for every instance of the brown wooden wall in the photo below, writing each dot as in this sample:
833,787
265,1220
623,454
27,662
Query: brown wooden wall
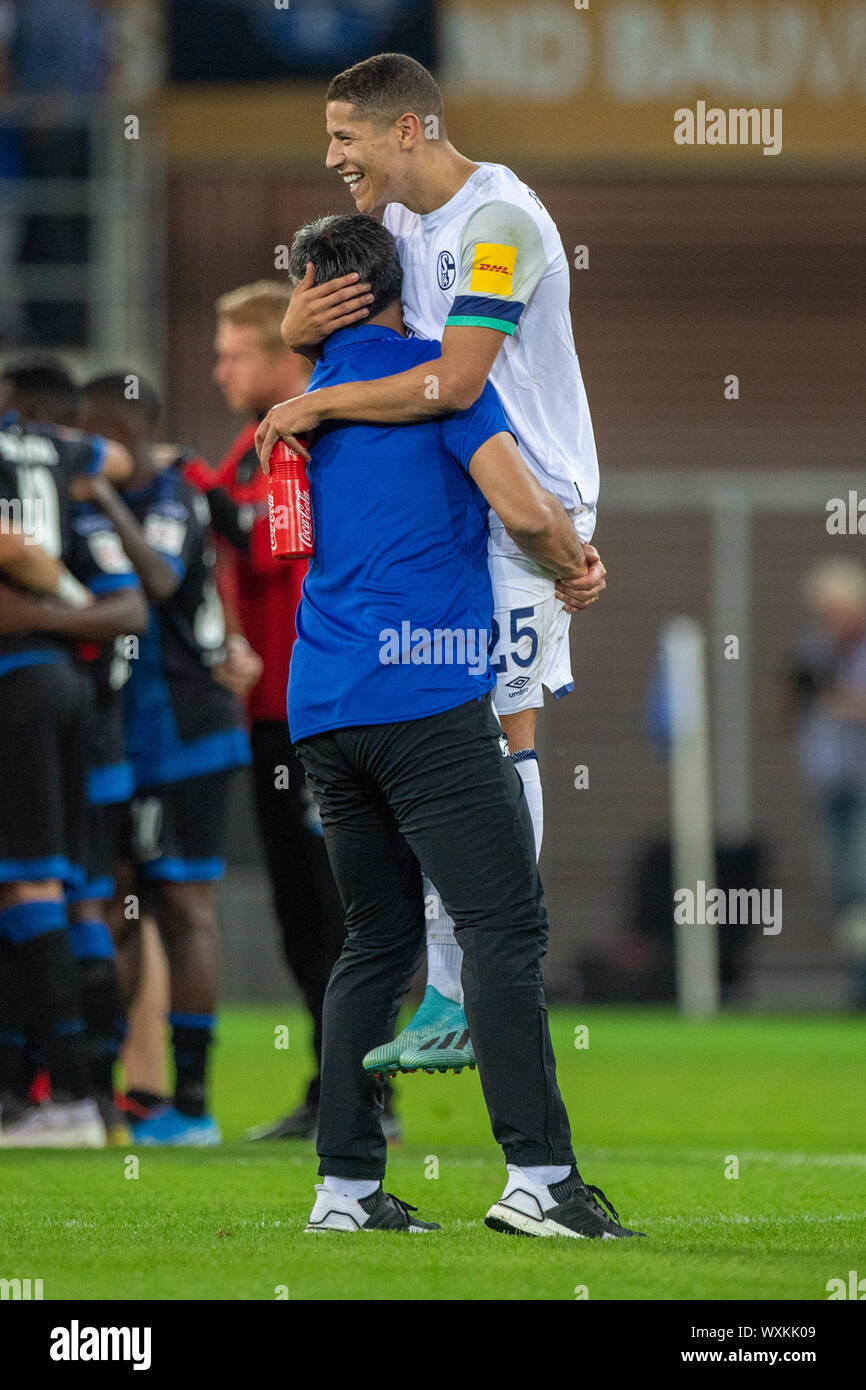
688,281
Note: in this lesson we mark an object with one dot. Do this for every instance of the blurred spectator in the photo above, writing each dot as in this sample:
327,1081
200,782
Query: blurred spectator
11,170
60,61
61,50
829,686
263,41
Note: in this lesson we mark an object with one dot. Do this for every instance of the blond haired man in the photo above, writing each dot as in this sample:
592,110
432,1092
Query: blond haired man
253,369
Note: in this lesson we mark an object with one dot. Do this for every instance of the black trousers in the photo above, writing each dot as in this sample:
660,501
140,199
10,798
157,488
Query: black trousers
306,901
439,794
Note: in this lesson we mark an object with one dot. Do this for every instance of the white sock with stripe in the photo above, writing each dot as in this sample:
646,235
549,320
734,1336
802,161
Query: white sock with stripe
526,762
444,956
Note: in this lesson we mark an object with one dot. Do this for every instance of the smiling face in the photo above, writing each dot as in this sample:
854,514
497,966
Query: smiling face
367,155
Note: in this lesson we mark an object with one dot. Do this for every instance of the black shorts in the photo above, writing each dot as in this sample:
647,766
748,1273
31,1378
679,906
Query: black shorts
44,711
177,831
107,737
107,839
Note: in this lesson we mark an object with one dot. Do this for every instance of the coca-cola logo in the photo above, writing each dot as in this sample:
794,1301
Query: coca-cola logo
304,511
272,521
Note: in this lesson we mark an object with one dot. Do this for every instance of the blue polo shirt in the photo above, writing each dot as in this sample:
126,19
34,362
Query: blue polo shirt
396,607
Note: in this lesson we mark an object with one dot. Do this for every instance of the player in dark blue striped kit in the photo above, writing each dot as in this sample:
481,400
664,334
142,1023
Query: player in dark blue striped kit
185,739
99,561
43,753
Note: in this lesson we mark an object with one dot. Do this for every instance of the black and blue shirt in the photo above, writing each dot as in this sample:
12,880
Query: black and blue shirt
181,722
37,466
98,560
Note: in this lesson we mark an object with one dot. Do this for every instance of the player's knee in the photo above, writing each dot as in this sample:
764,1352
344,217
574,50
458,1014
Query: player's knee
46,890
187,907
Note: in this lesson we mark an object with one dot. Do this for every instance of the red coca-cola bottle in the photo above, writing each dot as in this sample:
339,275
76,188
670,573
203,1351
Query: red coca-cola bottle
290,511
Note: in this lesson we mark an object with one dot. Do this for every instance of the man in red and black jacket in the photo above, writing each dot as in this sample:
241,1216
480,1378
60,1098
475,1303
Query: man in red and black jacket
254,370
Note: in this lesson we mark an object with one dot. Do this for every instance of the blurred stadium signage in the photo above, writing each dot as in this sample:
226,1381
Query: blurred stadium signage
606,81
549,81
260,40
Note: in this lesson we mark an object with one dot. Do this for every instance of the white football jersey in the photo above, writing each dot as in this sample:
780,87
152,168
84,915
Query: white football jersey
492,256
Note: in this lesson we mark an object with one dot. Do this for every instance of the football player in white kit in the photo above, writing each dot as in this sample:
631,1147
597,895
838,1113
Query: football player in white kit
484,270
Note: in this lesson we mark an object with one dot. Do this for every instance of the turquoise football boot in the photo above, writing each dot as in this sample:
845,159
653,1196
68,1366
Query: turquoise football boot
436,1039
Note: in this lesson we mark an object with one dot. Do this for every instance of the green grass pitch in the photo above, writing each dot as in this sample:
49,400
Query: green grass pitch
661,1109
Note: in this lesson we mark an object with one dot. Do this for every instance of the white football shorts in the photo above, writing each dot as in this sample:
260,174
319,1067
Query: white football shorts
530,647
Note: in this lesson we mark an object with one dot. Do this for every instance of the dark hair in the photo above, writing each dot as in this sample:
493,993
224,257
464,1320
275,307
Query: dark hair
127,391
45,387
337,245
387,85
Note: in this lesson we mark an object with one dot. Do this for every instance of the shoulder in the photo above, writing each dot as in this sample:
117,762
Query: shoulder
72,443
420,349
498,183
384,357
65,434
86,519
401,354
466,430
502,221
170,493
506,207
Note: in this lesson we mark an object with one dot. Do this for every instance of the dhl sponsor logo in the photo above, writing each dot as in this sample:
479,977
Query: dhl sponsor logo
492,268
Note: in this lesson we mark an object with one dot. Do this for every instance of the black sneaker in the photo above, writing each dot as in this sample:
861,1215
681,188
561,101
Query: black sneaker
300,1124
379,1212
578,1210
303,1123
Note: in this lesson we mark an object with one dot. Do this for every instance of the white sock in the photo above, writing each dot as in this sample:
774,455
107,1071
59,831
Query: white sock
444,956
542,1176
351,1187
526,762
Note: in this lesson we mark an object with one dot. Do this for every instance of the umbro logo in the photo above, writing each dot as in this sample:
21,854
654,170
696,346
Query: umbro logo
519,683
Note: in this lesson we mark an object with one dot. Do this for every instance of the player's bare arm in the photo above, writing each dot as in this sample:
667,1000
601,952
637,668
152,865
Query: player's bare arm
589,588
537,521
116,615
107,618
452,381
242,667
27,565
20,612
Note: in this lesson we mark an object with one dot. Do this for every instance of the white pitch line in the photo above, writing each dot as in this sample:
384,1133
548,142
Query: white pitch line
781,1160
804,1218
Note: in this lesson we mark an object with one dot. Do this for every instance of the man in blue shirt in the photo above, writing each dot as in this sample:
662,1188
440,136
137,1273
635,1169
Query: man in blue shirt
418,528
389,706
